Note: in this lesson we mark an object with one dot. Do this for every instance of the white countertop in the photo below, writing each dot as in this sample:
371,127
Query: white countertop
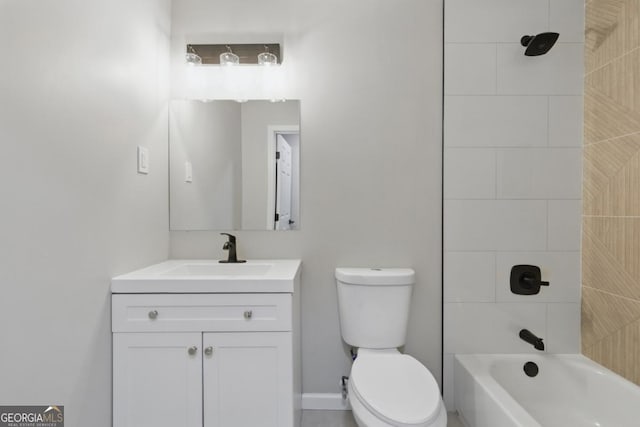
210,276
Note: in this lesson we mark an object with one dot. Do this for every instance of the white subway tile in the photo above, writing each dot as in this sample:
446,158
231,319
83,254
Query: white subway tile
470,69
546,173
469,276
469,173
487,225
495,121
565,223
563,328
566,117
494,20
560,269
491,328
567,18
559,72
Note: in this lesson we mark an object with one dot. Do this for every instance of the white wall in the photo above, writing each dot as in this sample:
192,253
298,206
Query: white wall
257,116
81,85
512,176
370,153
209,136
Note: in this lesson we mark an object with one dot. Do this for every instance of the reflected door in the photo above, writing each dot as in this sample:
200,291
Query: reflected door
283,184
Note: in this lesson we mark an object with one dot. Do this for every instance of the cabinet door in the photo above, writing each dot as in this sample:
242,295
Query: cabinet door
248,379
157,380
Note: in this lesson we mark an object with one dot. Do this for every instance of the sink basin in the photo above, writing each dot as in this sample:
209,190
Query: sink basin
244,269
209,276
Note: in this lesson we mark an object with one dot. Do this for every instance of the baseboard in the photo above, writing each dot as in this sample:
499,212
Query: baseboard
325,402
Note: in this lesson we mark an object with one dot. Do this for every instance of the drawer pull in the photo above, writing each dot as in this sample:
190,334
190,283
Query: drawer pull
248,314
192,350
153,314
208,351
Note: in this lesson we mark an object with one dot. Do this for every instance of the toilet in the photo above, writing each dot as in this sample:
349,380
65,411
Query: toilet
386,388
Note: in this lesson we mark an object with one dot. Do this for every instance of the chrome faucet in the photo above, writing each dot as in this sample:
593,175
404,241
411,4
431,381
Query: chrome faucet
230,245
529,337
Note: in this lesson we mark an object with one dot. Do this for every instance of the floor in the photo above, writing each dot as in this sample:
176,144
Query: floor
345,419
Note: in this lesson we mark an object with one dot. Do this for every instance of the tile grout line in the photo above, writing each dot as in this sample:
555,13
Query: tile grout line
547,223
496,91
549,121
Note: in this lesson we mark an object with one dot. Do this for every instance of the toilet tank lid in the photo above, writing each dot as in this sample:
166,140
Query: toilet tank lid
376,276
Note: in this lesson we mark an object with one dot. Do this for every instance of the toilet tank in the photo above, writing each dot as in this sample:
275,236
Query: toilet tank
374,305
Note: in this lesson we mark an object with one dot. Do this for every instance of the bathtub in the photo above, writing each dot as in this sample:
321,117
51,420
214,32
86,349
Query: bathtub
492,390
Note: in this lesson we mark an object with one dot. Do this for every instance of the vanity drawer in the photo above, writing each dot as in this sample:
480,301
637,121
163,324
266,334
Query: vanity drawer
200,312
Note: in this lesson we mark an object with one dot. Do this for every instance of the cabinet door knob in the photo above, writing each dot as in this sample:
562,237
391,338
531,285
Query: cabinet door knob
208,351
153,314
248,314
192,350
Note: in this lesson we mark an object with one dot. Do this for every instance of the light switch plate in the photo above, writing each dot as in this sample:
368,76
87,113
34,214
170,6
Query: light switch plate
188,172
143,160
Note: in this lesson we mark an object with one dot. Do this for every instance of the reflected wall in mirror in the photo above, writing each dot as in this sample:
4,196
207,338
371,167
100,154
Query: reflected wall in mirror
234,165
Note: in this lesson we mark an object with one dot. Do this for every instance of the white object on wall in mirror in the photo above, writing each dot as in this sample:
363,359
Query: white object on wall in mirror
188,172
143,160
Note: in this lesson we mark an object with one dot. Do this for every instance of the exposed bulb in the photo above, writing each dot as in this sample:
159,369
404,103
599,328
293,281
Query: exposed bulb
267,59
229,58
193,59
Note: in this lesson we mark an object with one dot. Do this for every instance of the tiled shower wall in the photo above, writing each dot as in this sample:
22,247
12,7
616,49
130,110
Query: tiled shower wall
611,223
512,176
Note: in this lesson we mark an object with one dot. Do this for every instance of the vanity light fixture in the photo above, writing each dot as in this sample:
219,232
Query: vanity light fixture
267,54
267,58
192,57
229,58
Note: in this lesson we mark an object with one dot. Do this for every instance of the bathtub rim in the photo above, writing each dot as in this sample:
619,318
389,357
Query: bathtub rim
478,368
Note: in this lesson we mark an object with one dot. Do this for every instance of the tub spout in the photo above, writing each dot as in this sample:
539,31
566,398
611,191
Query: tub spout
529,337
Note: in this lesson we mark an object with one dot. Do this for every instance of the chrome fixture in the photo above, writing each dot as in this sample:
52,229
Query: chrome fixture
267,58
229,58
267,54
344,387
192,57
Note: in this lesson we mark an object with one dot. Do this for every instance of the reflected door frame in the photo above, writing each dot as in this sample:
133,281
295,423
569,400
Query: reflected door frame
272,132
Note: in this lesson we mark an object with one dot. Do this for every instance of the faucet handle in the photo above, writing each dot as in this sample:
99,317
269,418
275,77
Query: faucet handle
232,238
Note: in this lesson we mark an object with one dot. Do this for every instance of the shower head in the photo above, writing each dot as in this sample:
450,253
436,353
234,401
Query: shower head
540,44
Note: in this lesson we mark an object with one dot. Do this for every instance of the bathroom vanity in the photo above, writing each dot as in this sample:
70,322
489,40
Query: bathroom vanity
202,344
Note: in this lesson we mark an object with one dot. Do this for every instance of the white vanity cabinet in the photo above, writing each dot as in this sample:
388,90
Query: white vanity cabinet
156,382
206,359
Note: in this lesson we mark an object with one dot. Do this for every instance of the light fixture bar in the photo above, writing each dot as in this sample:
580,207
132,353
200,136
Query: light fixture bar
248,53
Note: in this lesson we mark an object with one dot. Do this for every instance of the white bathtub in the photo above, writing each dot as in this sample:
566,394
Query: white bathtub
492,390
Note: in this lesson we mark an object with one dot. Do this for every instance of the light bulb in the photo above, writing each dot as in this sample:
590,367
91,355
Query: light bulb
229,58
193,59
267,59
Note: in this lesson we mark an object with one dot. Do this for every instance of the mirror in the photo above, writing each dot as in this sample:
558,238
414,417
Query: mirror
234,165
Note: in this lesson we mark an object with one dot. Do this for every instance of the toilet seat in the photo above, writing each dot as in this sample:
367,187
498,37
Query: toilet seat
396,388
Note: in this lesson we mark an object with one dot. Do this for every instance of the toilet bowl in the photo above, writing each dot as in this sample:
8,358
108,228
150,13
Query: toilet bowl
386,388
